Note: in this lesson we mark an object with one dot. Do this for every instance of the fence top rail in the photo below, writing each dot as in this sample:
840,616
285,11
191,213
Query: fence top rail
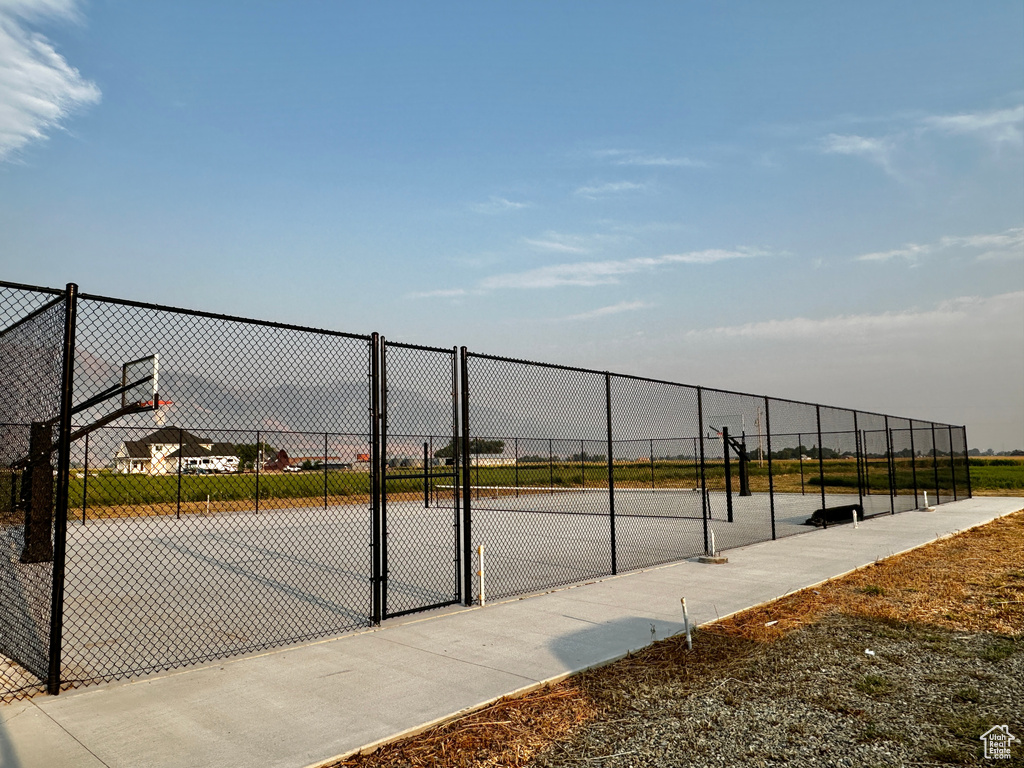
34,313
633,377
218,316
534,363
35,288
420,347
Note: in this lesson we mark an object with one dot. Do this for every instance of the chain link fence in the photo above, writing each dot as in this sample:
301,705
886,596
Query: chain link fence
180,486
31,350
576,474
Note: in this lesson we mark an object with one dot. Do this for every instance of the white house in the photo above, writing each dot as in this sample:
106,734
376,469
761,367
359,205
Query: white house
161,453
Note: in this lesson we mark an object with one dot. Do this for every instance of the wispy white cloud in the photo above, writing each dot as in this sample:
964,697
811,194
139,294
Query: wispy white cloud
441,293
499,205
999,126
851,328
910,252
591,273
614,309
877,150
908,132
1002,245
610,188
631,157
38,88
558,243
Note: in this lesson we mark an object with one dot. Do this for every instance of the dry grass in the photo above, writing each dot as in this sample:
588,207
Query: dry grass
972,582
509,732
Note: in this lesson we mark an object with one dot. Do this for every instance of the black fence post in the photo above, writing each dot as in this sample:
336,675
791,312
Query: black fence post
891,461
460,586
952,463
60,522
85,478
967,463
259,460
551,467
800,453
771,480
515,443
858,440
181,450
467,513
652,464
913,463
325,470
696,464
703,480
935,465
728,473
611,469
426,478
821,455
375,517
383,417
583,466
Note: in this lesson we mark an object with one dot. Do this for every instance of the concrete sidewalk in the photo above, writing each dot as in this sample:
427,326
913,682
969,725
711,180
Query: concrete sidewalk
304,705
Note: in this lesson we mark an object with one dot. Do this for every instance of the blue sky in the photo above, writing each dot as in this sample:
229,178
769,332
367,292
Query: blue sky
816,200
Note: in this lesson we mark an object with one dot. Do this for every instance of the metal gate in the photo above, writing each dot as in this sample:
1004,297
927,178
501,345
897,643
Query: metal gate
419,470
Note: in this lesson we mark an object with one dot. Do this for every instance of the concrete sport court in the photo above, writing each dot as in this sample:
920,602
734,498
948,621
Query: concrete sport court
145,594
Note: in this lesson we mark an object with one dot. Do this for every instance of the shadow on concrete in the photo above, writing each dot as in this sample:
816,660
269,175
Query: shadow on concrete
597,643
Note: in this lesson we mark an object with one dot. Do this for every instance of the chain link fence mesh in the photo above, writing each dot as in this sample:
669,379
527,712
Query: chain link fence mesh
233,518
537,465
660,507
239,485
31,338
421,509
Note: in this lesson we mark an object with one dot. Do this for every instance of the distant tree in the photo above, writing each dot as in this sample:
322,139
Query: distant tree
247,454
790,453
587,457
476,446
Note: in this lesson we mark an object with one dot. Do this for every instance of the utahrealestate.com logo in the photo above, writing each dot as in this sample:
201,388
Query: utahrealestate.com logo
997,742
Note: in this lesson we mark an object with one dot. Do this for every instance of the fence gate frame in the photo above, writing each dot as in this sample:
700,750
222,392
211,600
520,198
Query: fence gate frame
426,475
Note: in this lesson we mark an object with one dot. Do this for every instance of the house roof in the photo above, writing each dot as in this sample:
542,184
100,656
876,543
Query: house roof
189,451
134,449
192,445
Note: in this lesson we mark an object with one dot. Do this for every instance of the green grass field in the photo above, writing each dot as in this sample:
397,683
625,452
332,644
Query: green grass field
112,494
998,476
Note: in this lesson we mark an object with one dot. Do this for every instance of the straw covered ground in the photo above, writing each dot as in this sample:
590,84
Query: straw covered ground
791,681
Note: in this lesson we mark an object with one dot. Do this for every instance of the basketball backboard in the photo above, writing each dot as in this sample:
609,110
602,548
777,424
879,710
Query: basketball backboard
140,382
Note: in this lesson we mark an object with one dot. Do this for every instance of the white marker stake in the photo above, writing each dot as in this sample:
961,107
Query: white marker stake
686,625
480,573
855,524
926,499
207,503
714,549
